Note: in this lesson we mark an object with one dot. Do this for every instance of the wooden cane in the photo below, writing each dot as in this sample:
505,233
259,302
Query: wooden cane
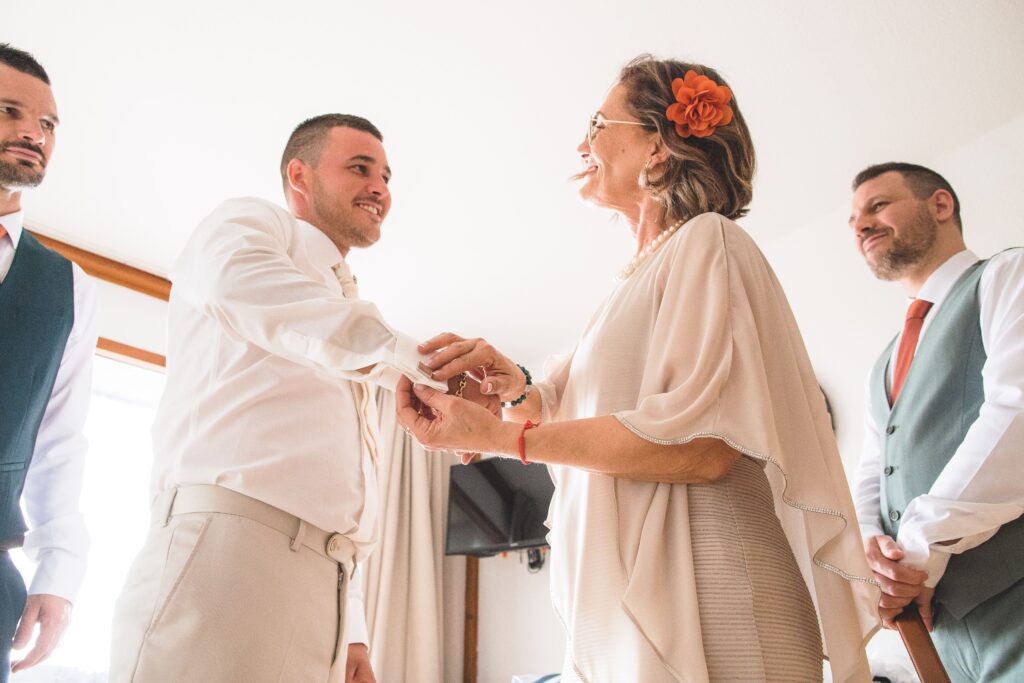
919,645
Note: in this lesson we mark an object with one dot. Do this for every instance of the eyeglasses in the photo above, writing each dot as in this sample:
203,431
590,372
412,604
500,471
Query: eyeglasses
598,121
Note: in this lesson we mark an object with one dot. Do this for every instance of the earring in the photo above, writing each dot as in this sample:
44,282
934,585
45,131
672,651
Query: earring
644,180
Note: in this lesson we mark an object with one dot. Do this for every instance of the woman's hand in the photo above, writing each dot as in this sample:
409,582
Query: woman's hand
442,422
471,392
452,355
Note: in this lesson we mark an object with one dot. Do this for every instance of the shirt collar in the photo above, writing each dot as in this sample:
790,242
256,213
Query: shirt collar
322,252
13,223
938,284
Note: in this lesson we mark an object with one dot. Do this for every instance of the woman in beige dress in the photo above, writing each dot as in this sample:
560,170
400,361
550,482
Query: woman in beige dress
701,527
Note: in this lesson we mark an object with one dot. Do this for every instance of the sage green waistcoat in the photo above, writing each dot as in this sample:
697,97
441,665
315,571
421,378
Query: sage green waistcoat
940,400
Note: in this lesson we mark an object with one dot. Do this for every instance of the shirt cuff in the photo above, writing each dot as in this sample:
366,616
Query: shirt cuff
406,362
58,573
355,622
921,555
935,565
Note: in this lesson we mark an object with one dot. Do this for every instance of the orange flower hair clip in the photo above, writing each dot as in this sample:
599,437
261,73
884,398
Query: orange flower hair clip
701,105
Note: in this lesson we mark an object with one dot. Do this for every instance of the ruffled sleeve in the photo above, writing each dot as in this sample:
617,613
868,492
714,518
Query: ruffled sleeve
726,360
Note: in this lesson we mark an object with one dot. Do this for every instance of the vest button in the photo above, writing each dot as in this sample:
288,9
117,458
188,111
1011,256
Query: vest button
889,469
894,515
890,429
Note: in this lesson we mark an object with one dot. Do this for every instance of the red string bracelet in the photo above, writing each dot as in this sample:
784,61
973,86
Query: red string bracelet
522,440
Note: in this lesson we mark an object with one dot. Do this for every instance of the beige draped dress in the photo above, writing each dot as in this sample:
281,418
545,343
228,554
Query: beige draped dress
753,578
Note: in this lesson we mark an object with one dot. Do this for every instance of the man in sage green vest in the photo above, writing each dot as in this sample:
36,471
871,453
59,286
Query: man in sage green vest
940,486
47,340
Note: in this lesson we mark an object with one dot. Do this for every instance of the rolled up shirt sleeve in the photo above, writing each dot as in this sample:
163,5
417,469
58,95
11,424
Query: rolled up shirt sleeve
982,486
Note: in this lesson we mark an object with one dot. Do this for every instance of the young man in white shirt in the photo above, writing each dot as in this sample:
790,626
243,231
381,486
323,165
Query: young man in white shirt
47,340
265,443
940,485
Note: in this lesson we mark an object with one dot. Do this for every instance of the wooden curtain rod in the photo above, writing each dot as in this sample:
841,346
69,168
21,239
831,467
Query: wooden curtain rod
123,275
110,270
131,354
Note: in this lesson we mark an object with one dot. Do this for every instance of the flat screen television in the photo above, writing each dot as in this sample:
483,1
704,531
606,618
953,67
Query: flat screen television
495,505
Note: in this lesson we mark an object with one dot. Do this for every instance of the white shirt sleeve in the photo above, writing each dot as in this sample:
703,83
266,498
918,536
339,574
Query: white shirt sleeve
355,611
57,539
868,486
982,486
239,272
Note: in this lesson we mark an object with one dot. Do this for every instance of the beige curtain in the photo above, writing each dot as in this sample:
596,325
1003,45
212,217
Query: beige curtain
415,596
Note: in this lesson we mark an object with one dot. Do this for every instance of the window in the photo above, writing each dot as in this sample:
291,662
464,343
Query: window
115,502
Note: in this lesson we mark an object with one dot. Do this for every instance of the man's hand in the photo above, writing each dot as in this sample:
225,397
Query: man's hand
52,614
901,584
357,668
924,606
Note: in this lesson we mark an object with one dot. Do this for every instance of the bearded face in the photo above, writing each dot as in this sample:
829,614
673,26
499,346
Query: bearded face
22,164
28,129
906,247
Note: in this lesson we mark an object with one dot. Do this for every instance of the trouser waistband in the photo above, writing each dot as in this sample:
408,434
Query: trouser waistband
209,498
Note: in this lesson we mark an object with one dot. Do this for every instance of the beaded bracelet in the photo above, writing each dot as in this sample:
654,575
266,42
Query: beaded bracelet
526,390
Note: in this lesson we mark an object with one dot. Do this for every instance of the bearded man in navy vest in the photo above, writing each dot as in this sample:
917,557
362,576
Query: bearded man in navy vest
940,485
47,339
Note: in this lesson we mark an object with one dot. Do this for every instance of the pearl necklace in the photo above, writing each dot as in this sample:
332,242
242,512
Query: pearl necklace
648,250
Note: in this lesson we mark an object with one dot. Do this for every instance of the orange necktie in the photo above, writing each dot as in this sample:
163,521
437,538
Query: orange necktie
908,344
3,232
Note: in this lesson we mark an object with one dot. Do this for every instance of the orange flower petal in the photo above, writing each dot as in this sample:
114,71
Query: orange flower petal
677,84
681,131
726,116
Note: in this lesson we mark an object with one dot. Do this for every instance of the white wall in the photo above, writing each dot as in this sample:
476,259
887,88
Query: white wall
519,632
128,317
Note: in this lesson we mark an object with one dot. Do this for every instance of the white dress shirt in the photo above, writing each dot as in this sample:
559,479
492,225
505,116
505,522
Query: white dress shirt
264,394
57,539
982,486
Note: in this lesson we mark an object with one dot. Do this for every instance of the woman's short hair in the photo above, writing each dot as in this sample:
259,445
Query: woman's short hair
714,173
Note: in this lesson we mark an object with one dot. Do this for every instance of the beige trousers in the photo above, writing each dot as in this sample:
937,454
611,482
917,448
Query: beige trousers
229,590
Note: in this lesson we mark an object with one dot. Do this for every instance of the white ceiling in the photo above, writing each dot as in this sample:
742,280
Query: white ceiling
169,108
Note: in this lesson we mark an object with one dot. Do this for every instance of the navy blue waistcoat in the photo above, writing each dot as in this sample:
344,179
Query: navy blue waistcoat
37,311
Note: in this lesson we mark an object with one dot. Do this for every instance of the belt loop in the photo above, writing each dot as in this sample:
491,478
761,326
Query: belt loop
299,535
166,512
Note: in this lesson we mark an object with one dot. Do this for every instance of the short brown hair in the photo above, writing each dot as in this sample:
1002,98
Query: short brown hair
307,140
703,174
922,181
